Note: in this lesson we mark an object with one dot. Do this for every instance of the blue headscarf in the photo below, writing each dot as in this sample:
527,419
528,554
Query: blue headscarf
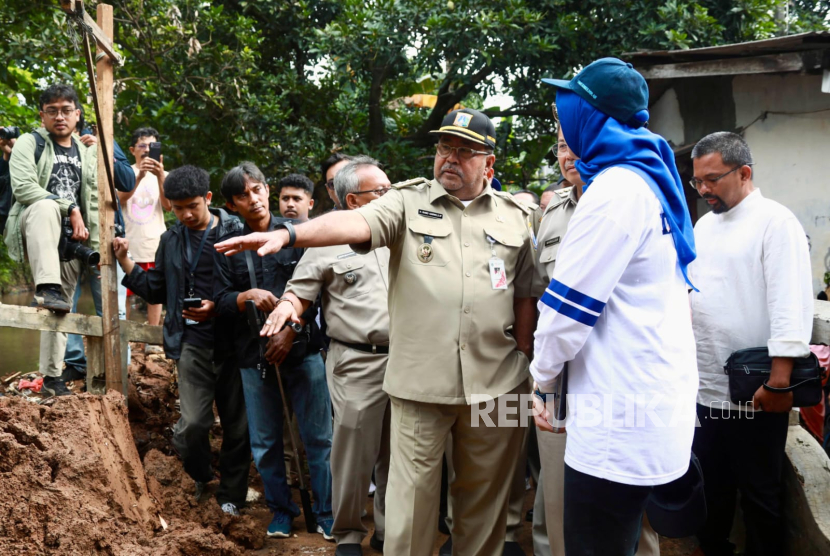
601,142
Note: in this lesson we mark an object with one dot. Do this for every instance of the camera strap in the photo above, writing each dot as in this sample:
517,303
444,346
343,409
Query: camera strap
187,256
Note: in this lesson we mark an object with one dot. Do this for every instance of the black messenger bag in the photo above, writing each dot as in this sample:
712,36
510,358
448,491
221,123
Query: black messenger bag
749,369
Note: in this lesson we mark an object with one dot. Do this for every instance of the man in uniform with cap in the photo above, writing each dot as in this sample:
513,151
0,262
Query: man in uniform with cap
461,315
355,291
617,313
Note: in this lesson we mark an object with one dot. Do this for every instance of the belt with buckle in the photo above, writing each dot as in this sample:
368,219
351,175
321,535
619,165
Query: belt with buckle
368,348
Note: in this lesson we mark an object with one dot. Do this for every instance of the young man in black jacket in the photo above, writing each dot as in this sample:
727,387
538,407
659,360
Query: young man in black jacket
193,335
297,355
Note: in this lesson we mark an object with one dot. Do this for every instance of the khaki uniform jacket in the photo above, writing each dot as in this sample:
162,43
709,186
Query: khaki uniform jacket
29,182
554,224
450,330
355,291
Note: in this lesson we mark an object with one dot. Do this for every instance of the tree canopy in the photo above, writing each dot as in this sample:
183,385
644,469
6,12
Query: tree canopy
286,83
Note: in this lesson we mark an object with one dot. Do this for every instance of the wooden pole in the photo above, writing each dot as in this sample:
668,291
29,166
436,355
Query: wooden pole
111,339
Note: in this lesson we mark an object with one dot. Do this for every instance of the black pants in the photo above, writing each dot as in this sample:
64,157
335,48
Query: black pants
602,518
201,382
744,452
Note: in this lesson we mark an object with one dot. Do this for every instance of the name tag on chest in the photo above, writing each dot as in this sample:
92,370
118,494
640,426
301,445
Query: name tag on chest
430,214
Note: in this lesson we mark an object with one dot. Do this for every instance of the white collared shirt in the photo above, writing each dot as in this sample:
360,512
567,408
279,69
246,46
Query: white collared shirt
753,273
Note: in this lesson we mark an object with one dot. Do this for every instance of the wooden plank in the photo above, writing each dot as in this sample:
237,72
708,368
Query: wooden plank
95,383
821,323
104,42
778,63
106,217
35,318
138,332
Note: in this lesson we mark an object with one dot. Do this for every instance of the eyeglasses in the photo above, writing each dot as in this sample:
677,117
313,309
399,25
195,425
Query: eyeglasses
66,111
464,153
697,182
379,192
560,148
142,146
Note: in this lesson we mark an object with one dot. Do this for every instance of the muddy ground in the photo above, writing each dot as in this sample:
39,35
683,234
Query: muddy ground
83,475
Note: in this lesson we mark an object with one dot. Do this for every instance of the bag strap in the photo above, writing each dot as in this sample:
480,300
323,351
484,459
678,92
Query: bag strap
40,145
791,387
251,274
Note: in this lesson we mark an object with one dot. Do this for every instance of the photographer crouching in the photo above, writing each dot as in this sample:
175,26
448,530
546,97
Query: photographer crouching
55,210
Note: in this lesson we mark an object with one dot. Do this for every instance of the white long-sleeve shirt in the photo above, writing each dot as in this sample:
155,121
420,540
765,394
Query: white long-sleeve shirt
753,273
617,310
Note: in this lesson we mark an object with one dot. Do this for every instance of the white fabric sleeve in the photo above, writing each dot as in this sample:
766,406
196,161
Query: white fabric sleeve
786,260
594,254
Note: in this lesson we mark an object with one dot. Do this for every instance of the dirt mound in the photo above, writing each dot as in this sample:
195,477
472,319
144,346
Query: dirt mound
70,476
153,397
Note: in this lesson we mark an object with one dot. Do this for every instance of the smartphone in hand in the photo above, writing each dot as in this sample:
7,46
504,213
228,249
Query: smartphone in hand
155,151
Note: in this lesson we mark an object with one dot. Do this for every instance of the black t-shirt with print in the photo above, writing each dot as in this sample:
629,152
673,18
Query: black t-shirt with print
65,181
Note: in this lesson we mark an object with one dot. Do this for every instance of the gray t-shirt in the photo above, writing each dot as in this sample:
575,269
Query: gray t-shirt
65,181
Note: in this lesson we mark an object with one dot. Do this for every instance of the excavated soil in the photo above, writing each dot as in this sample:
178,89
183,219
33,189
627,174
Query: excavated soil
82,475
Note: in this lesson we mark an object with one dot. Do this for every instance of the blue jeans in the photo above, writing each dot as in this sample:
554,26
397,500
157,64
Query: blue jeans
74,355
305,384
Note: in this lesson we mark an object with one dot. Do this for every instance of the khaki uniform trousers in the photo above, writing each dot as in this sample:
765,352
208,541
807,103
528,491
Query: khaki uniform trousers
552,455
515,507
481,456
360,440
40,226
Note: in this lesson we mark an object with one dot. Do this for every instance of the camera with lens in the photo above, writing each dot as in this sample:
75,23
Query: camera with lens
70,249
10,132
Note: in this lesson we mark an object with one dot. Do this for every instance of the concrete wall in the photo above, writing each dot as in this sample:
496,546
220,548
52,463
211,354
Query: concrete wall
791,151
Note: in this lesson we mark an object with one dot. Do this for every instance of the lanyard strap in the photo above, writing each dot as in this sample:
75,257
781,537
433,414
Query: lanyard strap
251,274
192,263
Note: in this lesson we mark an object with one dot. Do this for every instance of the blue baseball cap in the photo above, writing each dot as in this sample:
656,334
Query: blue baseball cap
613,87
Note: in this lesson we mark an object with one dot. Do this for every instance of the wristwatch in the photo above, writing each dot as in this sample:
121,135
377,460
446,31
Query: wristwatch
72,207
292,234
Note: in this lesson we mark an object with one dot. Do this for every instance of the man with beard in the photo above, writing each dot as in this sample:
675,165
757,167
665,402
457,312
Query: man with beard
754,280
461,315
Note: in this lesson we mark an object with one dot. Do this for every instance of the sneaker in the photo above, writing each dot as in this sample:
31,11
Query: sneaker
50,297
376,543
348,549
230,509
71,373
280,526
446,548
324,528
55,386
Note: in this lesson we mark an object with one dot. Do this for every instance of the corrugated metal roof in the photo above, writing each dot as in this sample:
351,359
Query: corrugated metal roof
791,43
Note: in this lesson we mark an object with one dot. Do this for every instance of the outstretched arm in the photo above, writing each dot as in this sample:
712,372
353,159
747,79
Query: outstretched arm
335,228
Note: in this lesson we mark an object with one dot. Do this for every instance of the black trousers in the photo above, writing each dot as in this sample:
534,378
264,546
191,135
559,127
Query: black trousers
201,382
744,452
602,518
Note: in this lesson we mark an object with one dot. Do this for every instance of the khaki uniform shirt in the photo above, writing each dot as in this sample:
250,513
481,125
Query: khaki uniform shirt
449,329
355,290
552,228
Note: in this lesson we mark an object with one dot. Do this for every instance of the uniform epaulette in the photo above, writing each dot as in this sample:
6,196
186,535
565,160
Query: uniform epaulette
560,198
527,208
410,183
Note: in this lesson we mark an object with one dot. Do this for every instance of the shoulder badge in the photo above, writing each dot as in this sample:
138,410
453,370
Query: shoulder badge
559,199
526,208
417,182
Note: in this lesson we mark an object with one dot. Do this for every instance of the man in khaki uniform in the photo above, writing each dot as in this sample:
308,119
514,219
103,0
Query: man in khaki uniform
552,230
461,313
355,291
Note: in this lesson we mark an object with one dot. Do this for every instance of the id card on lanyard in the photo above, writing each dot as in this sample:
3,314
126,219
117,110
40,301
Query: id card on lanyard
498,274
191,264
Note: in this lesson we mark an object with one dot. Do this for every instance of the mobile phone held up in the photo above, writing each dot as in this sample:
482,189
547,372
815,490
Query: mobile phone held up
155,151
192,302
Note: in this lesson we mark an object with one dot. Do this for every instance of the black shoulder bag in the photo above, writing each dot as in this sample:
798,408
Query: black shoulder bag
750,369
